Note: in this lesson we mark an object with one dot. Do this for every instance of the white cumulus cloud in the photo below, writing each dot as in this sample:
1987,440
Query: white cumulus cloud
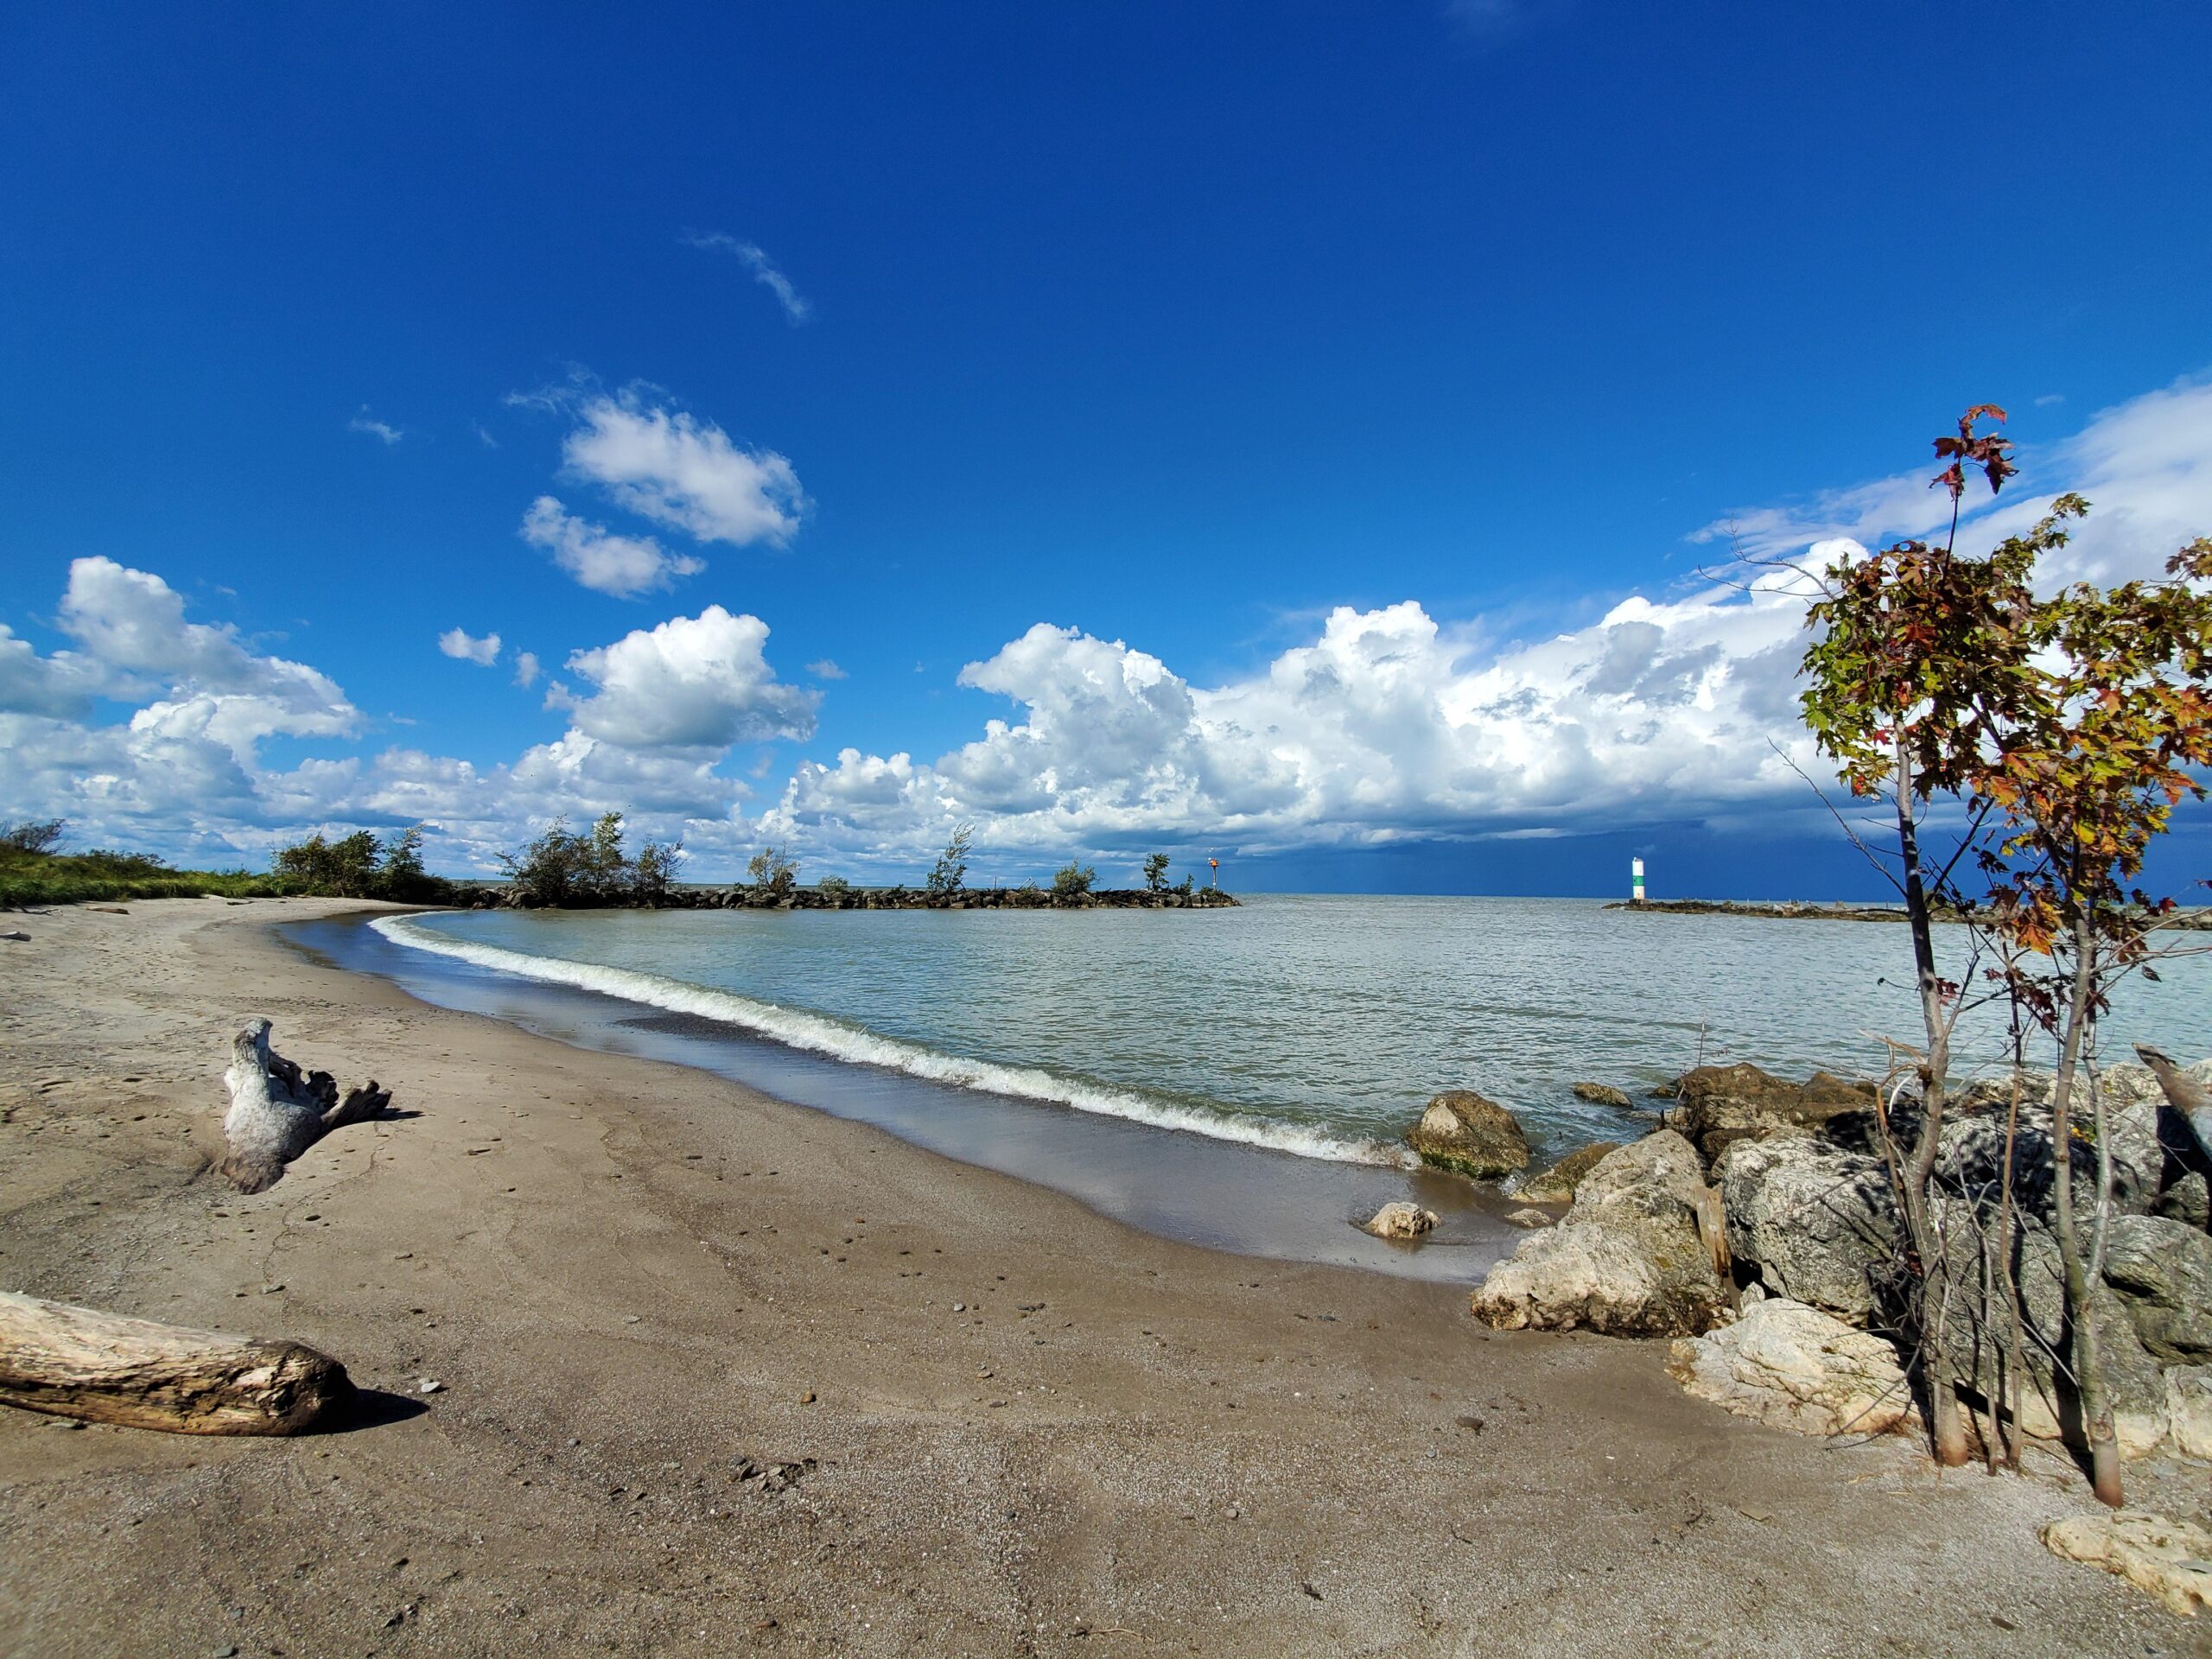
693,682
458,644
677,470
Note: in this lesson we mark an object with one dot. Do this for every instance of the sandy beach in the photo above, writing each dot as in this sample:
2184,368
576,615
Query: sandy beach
1000,1422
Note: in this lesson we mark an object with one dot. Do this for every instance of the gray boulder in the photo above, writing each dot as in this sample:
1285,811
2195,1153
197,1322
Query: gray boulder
1600,1094
1557,1184
1814,1220
2162,1271
1463,1132
1628,1259
2188,1201
1724,1103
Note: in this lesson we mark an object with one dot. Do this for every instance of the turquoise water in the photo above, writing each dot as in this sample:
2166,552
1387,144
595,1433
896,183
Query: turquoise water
1312,1026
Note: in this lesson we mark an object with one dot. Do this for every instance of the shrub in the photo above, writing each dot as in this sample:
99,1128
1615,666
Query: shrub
358,866
1072,881
33,835
344,868
833,887
563,867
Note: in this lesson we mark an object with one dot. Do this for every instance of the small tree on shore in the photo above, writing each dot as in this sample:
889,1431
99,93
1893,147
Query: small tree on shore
949,873
653,873
2086,777
2065,730
774,873
1072,881
1921,656
1156,873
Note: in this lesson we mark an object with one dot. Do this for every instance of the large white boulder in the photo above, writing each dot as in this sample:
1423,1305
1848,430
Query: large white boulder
1797,1368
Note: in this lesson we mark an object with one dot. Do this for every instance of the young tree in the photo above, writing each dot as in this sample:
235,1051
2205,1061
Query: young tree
774,872
2066,729
653,873
2087,776
605,868
1156,873
951,871
1921,656
1073,880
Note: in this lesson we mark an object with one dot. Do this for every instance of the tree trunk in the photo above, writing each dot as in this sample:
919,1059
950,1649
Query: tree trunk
276,1113
2013,1382
108,1368
2088,1374
1947,1431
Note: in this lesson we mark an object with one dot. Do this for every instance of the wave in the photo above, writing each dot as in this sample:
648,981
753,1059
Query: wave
818,1034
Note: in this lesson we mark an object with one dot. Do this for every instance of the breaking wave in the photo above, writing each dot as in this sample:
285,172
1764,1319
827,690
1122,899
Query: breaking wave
818,1034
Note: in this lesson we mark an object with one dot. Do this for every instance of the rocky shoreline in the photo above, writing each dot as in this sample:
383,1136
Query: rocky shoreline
1758,1231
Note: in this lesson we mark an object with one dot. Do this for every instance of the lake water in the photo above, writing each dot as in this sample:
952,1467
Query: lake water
1204,1064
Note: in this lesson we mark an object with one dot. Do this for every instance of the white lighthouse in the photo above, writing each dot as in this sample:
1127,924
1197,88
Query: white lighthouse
1636,880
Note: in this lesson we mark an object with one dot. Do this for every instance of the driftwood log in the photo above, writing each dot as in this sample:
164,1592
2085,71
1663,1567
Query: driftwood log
2188,1097
276,1113
108,1368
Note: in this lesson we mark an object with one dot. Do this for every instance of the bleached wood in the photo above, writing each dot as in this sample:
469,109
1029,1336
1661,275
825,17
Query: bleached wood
2184,1093
276,1113
110,1368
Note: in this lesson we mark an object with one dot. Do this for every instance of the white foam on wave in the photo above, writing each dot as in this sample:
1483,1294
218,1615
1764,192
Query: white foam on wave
818,1034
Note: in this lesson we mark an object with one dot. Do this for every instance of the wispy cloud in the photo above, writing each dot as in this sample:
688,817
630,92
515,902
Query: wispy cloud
748,254
383,431
1493,20
458,644
483,434
825,669
525,668
623,566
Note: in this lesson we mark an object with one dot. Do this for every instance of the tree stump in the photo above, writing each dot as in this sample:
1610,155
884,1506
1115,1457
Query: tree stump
276,1113
109,1368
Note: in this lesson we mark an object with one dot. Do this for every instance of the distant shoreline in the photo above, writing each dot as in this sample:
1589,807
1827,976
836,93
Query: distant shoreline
1797,911
744,896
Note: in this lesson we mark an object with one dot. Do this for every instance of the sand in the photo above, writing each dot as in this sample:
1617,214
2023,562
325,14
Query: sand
1031,1429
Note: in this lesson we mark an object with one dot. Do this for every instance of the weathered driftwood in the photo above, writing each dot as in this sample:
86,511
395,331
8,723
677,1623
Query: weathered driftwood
2184,1093
276,1113
108,1368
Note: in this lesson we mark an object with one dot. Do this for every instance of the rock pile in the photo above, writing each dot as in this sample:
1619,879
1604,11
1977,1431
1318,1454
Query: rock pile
1773,1192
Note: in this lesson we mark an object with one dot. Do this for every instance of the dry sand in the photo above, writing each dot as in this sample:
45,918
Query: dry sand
1033,1430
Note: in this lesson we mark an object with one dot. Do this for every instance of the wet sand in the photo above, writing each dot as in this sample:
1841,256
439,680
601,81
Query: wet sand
1032,1429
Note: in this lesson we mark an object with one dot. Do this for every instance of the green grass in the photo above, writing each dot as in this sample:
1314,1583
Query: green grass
28,878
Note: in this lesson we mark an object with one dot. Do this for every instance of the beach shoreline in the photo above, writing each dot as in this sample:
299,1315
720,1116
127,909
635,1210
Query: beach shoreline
1011,1424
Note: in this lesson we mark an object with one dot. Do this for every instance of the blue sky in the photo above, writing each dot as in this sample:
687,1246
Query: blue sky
1177,328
